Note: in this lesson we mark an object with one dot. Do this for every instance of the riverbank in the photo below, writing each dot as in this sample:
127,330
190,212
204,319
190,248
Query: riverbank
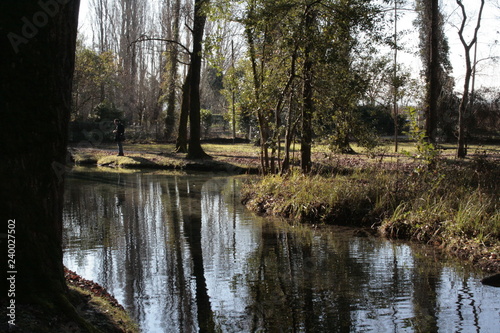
93,304
454,206
223,158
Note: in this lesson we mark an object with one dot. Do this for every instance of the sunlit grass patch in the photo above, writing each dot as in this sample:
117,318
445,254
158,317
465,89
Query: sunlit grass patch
231,149
141,161
319,199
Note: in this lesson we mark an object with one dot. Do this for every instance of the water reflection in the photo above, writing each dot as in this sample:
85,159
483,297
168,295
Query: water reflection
181,254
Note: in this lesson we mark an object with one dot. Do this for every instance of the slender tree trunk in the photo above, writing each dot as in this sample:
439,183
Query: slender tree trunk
279,109
462,110
289,135
307,108
464,103
395,73
172,64
263,126
182,135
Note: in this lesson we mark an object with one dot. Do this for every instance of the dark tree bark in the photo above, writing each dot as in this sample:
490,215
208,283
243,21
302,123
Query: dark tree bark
434,54
195,150
306,139
37,62
432,74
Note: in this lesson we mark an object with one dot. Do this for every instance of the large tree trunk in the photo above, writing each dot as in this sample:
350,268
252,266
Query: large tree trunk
432,76
37,62
194,149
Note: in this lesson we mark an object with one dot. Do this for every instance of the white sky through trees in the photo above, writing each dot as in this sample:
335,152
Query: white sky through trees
488,70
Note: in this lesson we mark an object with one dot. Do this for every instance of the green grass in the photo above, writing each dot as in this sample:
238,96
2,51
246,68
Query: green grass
456,205
338,199
104,315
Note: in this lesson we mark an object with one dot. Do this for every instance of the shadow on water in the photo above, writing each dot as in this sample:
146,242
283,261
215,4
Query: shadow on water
182,255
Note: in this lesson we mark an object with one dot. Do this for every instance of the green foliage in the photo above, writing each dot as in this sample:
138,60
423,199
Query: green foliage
283,39
106,111
427,153
206,120
379,119
94,81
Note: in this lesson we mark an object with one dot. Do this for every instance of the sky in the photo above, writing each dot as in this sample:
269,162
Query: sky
488,72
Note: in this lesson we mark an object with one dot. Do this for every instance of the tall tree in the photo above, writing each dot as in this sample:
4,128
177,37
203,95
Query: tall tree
307,103
432,71
313,44
195,150
349,31
464,103
171,65
434,54
37,61
251,24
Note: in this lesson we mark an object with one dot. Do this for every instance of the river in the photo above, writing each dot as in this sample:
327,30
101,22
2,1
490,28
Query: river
182,254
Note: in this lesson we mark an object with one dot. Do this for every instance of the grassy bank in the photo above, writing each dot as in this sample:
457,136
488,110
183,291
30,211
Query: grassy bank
239,158
455,206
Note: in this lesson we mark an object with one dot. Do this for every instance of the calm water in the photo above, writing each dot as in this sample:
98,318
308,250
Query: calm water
182,254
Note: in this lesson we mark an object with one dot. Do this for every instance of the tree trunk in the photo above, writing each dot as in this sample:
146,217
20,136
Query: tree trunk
433,85
37,63
195,150
260,113
307,108
464,103
172,64
182,137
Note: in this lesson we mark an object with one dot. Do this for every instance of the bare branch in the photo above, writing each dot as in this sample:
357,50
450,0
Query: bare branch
145,38
462,26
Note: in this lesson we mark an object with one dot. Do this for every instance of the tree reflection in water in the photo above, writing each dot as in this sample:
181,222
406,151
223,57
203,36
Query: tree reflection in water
181,254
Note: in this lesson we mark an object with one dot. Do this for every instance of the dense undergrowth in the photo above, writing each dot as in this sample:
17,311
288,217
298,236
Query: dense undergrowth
451,204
